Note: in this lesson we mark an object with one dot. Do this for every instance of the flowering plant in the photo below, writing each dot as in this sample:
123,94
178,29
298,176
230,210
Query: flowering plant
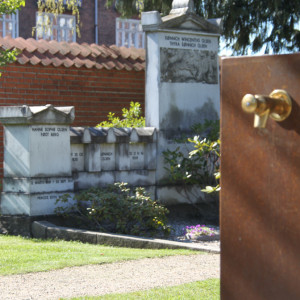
194,232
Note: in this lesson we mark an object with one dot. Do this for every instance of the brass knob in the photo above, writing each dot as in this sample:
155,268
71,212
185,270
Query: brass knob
249,103
278,105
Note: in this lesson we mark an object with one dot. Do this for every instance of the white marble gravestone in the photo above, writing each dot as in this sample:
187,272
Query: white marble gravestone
37,158
182,76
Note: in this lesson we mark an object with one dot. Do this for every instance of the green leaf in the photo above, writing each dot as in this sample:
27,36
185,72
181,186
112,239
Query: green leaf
208,189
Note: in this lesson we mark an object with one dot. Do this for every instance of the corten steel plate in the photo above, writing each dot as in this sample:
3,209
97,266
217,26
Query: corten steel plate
260,181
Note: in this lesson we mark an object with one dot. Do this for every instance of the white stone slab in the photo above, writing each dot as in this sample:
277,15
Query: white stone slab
150,156
49,150
137,156
122,156
92,161
47,114
16,151
136,177
151,18
77,157
172,195
29,204
151,190
85,180
108,157
38,185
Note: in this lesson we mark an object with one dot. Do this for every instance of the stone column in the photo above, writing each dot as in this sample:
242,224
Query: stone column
182,77
37,158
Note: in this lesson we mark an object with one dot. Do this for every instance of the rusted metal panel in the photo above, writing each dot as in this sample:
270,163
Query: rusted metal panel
260,196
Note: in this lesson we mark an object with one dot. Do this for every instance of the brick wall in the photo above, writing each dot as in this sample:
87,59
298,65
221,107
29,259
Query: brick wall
93,93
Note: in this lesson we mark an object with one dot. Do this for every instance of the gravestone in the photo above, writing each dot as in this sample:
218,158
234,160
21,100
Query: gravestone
182,81
37,158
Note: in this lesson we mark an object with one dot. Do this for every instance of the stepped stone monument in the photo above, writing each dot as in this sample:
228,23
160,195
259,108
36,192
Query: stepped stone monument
37,162
182,79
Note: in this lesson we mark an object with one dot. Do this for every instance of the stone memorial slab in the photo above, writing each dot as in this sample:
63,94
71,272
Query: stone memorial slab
189,76
92,162
122,156
136,177
77,157
16,151
137,156
29,204
38,184
45,160
182,78
150,156
37,158
85,180
30,151
108,157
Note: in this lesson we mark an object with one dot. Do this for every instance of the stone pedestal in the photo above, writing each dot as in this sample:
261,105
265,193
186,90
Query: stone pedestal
37,158
182,77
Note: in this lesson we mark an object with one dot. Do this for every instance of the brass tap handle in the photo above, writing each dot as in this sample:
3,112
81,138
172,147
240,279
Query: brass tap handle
278,105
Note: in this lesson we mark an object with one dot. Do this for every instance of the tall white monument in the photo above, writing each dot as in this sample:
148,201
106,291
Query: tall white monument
182,77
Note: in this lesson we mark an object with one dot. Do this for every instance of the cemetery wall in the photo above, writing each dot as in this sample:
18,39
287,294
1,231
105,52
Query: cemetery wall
103,156
94,93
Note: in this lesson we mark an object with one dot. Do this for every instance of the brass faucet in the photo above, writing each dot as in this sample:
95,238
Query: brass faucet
278,105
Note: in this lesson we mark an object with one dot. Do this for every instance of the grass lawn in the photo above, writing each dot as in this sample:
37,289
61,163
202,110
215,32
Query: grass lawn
22,255
199,290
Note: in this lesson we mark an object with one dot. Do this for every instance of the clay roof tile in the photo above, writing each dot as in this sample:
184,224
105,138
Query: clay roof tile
74,54
75,49
85,50
26,44
42,45
8,43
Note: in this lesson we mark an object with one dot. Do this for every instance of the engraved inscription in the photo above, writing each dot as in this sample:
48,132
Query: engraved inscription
188,42
76,156
136,155
106,156
49,131
193,42
49,181
51,197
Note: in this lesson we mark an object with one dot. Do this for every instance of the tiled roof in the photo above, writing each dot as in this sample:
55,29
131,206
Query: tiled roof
73,54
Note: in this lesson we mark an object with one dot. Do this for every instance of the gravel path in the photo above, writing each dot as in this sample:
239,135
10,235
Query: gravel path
119,277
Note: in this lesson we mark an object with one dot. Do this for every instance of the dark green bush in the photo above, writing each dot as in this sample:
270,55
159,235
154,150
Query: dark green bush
117,209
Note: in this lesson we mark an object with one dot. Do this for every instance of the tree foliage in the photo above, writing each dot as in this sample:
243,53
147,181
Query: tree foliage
57,7
132,117
271,25
9,7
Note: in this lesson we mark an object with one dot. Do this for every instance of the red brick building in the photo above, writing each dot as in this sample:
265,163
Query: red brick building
98,24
